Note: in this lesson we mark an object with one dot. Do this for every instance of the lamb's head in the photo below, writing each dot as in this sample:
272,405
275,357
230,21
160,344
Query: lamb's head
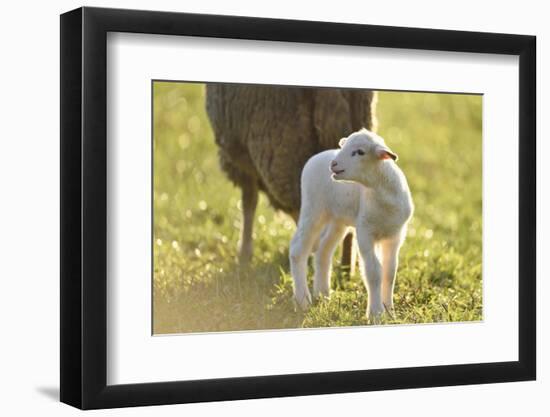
361,157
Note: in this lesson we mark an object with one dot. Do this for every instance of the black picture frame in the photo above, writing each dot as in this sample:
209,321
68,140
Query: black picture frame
84,207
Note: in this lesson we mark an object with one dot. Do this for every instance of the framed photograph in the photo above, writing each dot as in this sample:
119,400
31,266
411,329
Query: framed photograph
257,208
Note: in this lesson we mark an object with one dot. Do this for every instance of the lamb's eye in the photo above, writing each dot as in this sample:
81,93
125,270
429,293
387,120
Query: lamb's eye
358,152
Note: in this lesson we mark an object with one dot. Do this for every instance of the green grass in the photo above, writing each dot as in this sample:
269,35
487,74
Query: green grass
198,284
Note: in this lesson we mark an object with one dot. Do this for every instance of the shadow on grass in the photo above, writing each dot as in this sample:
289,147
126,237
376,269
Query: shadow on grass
239,298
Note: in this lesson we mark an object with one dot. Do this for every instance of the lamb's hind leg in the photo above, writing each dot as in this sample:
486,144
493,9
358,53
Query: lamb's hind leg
331,236
250,201
307,233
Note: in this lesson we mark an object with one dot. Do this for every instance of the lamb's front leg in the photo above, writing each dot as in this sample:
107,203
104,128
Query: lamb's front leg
390,255
371,274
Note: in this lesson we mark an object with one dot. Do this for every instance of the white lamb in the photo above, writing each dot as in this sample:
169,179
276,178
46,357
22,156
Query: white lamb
360,186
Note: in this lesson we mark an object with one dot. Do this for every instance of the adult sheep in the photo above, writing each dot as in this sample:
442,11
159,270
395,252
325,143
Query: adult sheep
265,135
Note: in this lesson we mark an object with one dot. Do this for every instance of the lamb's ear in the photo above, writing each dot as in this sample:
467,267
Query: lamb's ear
342,142
385,153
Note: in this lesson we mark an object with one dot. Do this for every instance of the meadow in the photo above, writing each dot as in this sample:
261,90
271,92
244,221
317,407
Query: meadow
198,285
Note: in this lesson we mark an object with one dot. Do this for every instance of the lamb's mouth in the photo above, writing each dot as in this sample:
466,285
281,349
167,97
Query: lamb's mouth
338,171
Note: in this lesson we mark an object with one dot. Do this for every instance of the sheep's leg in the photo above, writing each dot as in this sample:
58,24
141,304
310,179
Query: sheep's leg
349,258
250,201
301,245
390,255
371,272
332,234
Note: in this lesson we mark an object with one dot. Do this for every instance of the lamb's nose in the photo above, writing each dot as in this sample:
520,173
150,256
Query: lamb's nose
333,163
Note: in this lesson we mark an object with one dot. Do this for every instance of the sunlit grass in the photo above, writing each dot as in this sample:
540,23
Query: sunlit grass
198,285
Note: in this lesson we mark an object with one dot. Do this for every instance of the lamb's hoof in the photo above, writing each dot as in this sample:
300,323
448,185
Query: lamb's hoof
374,315
303,301
388,310
321,293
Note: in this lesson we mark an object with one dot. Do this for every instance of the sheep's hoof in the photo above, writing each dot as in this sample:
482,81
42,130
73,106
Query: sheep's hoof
245,255
244,260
